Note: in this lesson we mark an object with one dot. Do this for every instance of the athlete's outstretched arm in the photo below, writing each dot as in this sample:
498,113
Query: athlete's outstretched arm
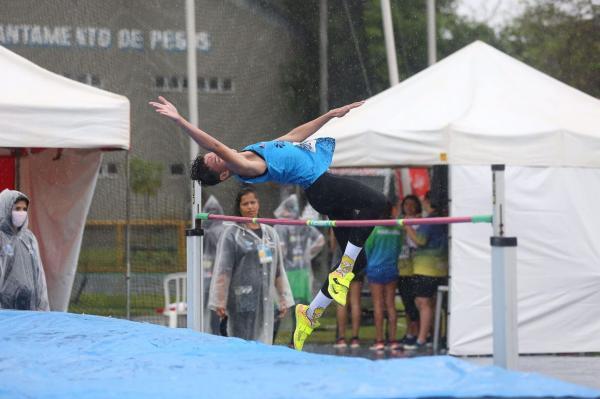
306,130
235,162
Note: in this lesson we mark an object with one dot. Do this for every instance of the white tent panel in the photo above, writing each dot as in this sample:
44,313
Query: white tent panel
553,213
61,192
477,106
39,108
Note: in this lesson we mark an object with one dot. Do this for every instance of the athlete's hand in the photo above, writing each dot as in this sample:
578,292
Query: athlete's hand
165,108
339,112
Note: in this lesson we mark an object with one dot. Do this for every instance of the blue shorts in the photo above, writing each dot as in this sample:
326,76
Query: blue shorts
382,274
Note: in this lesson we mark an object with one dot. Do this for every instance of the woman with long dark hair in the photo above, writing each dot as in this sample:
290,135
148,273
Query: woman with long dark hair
248,269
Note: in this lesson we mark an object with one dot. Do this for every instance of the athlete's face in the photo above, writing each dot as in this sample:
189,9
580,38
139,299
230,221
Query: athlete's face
249,205
214,162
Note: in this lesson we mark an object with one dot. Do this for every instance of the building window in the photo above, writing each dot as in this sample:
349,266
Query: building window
213,84
85,78
227,85
159,82
177,169
108,170
174,83
201,84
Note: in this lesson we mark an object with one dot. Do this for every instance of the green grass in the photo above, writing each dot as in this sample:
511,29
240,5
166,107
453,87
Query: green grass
105,260
116,305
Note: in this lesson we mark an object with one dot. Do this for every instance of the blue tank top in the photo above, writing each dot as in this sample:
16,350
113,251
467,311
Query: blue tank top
293,163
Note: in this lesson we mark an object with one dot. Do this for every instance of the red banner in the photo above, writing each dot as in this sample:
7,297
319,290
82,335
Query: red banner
419,181
7,172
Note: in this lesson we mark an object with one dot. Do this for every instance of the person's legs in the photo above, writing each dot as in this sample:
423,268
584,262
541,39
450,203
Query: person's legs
425,288
389,292
406,291
338,197
342,198
377,297
355,289
425,306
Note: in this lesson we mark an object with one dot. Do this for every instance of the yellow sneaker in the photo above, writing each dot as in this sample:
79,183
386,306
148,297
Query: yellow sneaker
304,327
339,285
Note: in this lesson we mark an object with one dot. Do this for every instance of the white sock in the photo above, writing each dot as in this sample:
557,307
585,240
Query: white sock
351,252
318,306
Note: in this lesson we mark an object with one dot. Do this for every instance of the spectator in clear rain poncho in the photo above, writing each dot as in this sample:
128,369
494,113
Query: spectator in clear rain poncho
212,232
22,278
249,279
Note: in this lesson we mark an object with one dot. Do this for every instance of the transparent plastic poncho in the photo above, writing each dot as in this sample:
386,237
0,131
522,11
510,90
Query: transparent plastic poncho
300,243
22,278
249,284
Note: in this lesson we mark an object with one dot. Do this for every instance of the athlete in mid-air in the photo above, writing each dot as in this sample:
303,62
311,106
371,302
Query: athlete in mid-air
295,159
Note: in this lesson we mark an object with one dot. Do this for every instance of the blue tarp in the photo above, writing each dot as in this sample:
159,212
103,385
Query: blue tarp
62,355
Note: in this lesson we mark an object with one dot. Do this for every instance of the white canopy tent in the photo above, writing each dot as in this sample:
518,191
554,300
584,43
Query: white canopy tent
480,107
42,110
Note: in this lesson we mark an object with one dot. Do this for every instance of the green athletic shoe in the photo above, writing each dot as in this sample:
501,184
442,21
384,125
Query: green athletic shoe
304,327
339,285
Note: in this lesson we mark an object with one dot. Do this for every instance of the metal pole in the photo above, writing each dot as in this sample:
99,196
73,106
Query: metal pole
194,277
195,298
498,200
390,45
127,236
438,316
504,281
431,33
323,42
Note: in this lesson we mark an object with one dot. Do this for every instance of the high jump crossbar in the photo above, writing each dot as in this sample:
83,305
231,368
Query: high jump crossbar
349,223
504,261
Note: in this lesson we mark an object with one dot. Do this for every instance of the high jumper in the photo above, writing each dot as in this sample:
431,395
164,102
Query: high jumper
294,158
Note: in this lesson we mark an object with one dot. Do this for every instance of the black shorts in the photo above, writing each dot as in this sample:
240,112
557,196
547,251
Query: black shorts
426,286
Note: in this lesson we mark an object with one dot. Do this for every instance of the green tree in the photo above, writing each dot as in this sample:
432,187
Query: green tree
357,58
560,38
410,33
145,178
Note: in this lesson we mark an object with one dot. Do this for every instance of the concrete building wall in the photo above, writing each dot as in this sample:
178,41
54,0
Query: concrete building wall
126,47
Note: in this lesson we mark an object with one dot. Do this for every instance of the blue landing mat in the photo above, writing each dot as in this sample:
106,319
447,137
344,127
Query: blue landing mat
62,355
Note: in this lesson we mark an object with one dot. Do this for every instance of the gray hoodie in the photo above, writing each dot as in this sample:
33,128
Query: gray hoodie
22,278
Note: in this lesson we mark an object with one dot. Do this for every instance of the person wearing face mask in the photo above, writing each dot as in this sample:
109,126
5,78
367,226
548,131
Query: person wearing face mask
22,278
249,279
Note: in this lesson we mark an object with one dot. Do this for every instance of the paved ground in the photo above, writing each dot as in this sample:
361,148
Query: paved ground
581,370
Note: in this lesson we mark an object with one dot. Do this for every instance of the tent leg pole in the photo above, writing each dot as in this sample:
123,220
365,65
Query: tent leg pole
504,301
504,280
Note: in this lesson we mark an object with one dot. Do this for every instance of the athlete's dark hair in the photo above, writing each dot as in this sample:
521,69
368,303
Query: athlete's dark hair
245,189
200,172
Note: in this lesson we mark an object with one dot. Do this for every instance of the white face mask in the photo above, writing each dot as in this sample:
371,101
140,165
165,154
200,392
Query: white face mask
19,217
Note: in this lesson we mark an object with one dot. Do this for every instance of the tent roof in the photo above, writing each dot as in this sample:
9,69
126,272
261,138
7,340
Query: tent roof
41,109
477,106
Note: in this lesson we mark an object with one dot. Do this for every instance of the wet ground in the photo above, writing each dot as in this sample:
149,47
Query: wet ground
582,370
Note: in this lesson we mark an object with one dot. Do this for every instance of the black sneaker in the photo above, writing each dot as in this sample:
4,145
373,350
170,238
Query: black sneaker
429,342
408,342
415,345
